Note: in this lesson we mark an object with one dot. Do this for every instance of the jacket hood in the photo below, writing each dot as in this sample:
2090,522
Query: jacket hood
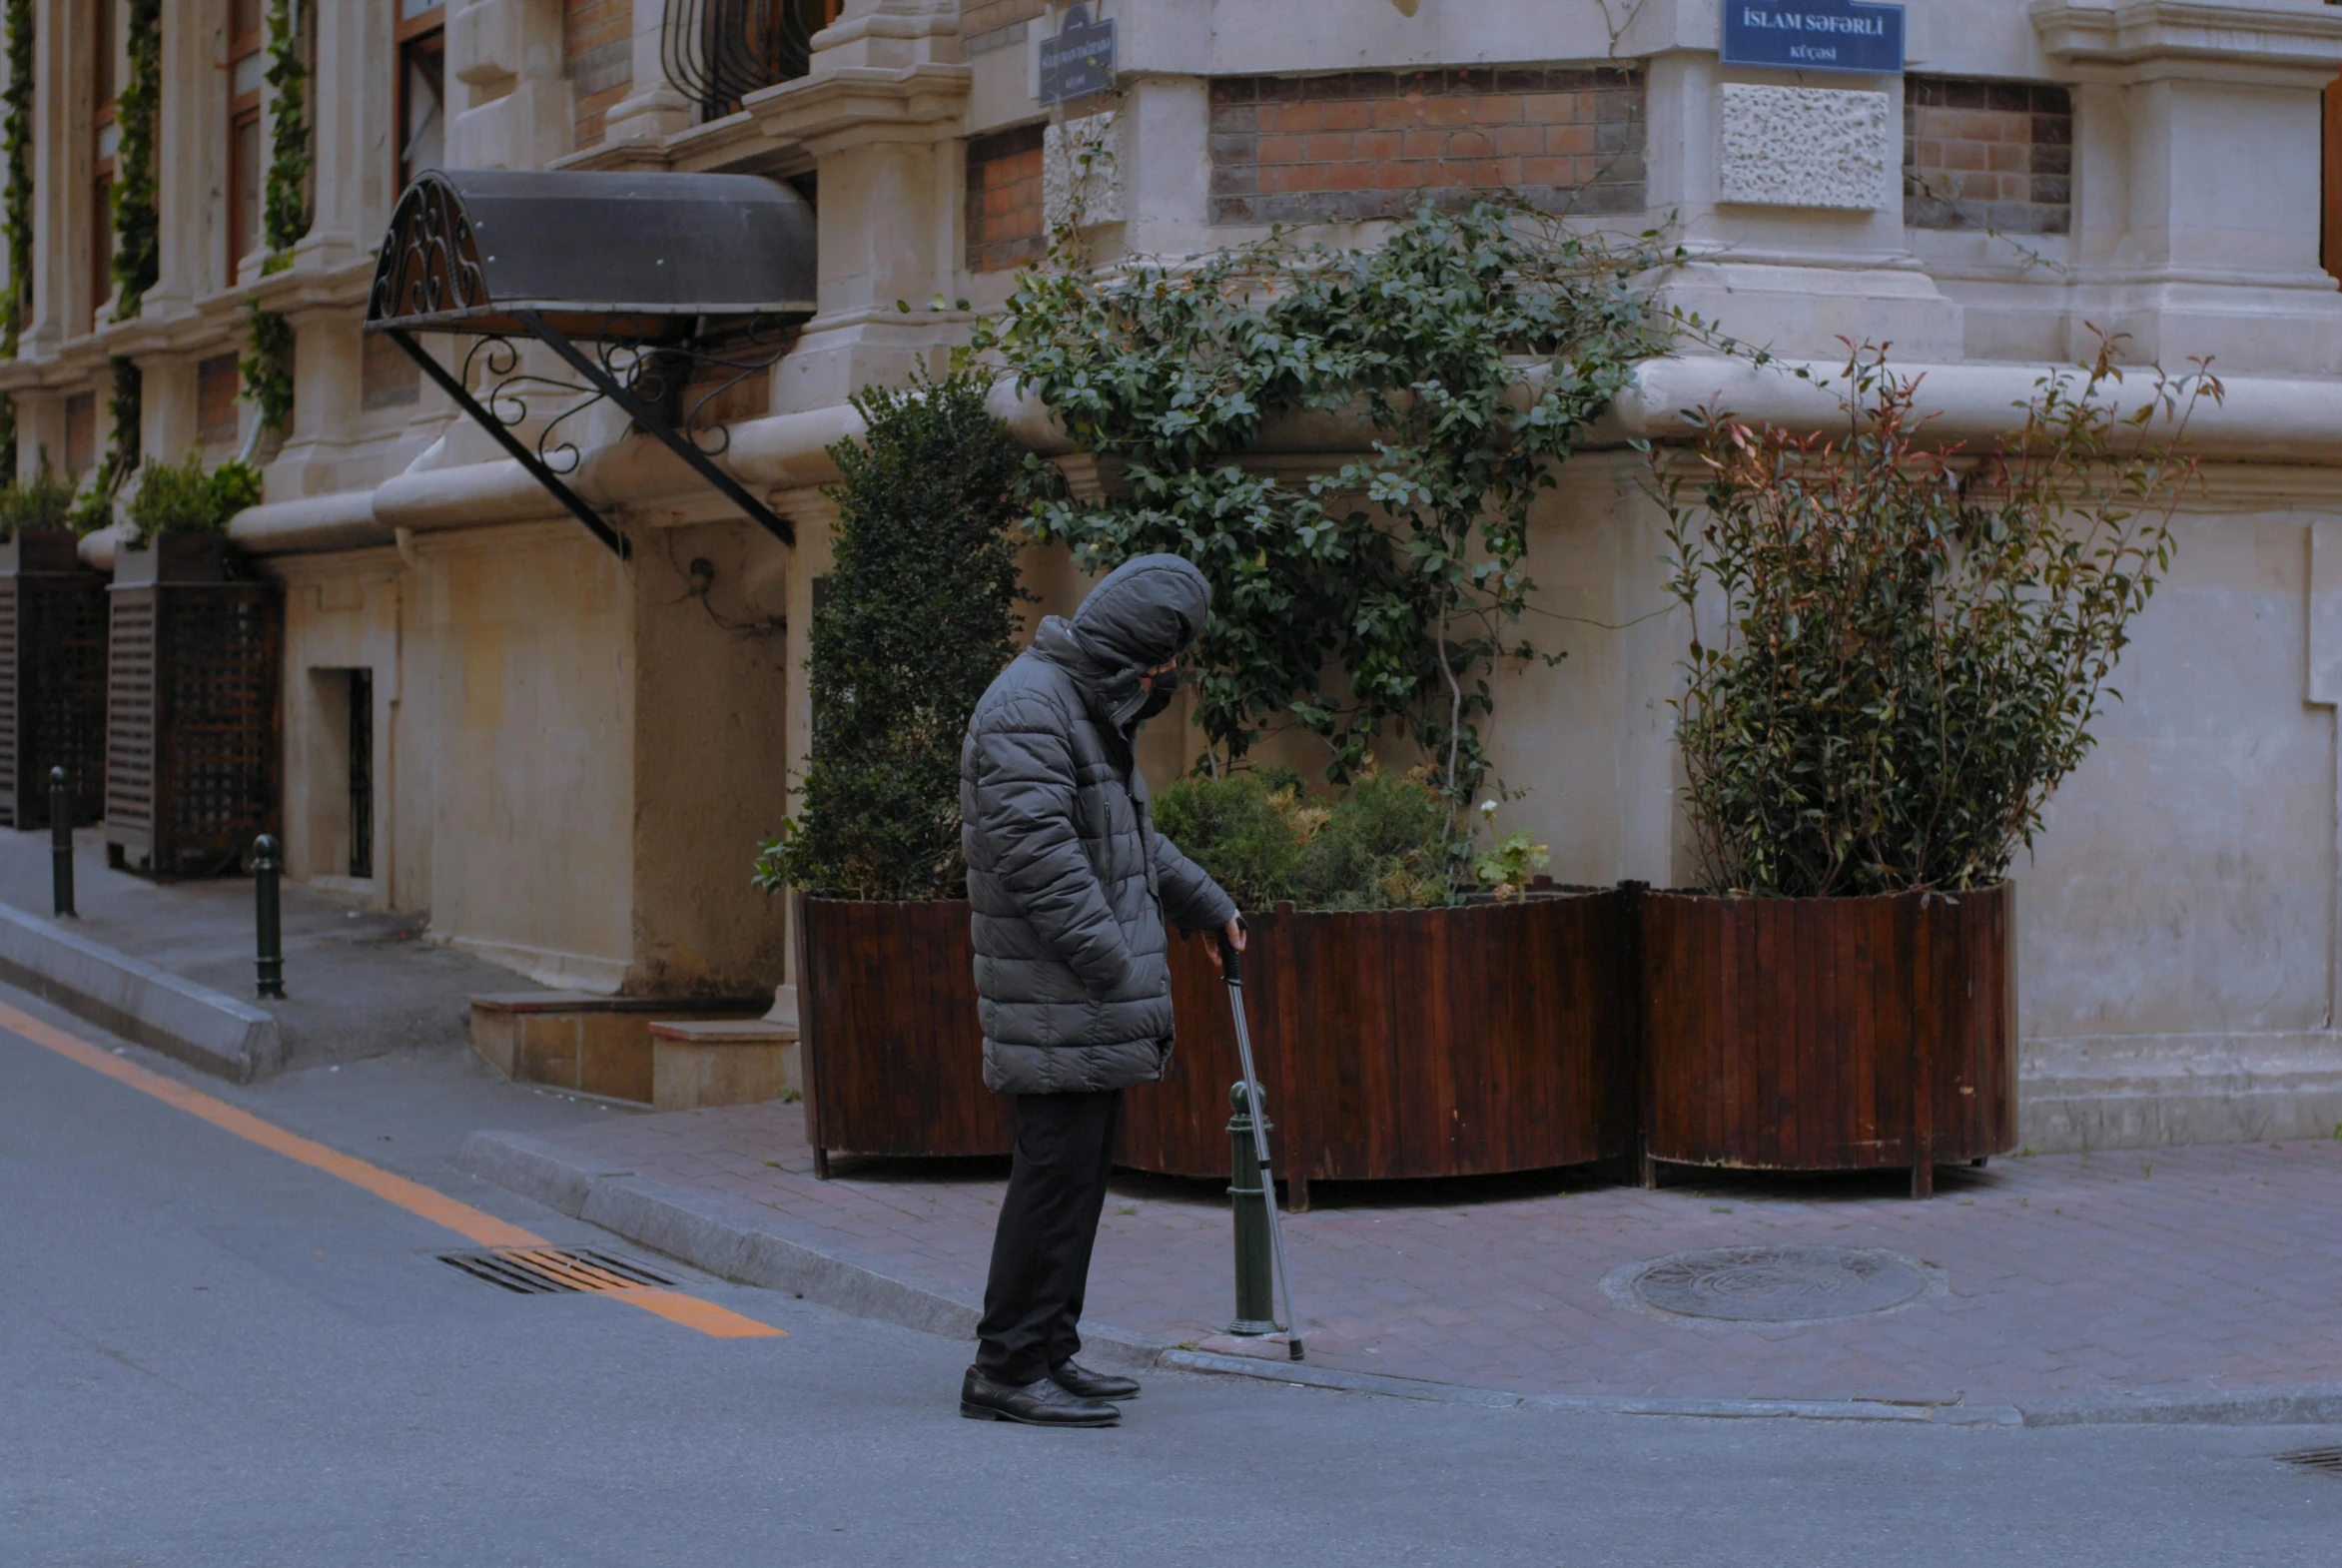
1144,612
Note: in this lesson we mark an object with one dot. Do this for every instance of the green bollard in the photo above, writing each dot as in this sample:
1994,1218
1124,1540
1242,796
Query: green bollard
61,842
1256,1301
269,971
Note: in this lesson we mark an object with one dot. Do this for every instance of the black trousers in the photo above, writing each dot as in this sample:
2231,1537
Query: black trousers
1049,1223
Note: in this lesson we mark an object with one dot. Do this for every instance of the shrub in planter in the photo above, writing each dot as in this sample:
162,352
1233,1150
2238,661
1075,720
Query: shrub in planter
52,658
918,616
184,498
1897,652
194,760
1469,351
1380,844
1405,1029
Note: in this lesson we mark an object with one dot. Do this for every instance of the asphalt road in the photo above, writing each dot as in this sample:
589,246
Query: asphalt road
211,1354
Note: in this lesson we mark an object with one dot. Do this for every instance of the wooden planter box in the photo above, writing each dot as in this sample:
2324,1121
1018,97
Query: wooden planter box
52,677
1404,1043
891,1046
193,749
1409,1043
1837,1033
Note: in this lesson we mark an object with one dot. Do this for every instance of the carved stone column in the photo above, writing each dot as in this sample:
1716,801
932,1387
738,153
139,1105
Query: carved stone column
655,107
516,103
881,111
2195,188
60,185
351,97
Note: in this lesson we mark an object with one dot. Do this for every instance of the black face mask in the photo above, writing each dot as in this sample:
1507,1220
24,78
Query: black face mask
1161,689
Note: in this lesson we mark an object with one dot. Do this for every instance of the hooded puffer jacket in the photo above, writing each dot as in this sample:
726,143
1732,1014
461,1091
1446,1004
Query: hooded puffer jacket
1067,878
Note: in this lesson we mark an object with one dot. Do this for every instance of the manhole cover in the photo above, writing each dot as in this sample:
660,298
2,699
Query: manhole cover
1777,1284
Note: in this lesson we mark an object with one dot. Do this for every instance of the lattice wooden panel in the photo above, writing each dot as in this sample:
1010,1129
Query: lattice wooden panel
53,696
193,744
130,723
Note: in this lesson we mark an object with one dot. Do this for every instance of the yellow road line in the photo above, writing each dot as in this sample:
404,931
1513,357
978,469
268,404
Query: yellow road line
425,1202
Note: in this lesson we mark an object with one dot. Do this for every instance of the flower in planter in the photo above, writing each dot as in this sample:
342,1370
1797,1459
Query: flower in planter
1899,646
1505,868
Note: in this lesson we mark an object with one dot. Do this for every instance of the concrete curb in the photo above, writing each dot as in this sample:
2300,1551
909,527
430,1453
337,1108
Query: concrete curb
137,1000
730,1238
1590,1404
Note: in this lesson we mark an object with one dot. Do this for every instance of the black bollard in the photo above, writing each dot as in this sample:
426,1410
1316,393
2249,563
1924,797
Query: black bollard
61,843
266,868
1255,1301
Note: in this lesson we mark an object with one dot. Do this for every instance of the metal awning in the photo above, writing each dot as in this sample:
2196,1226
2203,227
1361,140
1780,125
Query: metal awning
648,287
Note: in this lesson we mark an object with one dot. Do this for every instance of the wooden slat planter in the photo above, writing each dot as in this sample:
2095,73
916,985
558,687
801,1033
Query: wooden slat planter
1840,1034
891,1046
52,677
192,752
1408,1043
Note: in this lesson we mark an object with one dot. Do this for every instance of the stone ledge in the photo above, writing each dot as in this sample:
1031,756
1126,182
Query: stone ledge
138,1001
2089,1092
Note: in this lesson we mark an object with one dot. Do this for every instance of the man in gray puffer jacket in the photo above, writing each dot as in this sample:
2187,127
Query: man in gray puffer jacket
1071,885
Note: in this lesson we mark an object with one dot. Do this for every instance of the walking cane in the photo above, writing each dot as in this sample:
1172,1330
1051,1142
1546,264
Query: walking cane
1232,970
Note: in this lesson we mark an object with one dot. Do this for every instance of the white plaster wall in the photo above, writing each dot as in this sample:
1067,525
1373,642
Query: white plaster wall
2184,879
525,663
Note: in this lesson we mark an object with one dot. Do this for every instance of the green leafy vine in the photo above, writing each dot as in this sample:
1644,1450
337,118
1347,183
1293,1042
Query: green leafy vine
267,364
16,207
137,227
285,211
94,508
16,204
1473,347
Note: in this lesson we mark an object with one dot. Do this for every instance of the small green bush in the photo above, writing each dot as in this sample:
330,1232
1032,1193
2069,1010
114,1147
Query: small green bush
1383,844
920,615
41,501
183,498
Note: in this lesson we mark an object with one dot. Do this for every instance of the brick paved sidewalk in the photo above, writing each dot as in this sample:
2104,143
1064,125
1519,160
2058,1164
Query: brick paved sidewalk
2066,1277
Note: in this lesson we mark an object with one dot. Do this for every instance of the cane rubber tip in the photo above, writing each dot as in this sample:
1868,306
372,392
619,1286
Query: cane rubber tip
1292,1349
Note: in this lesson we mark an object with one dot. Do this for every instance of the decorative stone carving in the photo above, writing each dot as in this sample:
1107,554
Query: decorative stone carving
1806,146
1079,168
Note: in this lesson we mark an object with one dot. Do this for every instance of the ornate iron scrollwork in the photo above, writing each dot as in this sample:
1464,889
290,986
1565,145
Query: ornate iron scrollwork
430,263
720,51
682,380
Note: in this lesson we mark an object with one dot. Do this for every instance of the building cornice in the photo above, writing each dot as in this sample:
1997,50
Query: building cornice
2142,39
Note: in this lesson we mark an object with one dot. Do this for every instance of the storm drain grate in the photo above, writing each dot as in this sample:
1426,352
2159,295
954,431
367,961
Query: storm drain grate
2326,1461
545,1271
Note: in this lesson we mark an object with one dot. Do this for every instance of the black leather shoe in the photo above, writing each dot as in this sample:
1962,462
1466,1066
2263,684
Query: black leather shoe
1042,1402
1074,1378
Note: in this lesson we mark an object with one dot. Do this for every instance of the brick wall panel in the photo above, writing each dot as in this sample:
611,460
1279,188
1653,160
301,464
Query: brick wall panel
1986,155
597,50
1004,220
1375,144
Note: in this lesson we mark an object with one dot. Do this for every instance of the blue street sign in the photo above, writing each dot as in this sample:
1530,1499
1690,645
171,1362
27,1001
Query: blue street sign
1080,59
1815,35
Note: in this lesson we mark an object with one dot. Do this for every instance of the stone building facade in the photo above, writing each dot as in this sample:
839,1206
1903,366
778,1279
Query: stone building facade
575,755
